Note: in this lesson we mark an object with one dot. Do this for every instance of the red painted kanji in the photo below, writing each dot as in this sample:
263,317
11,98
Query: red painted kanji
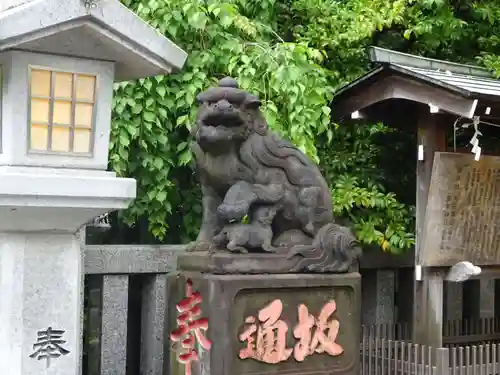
190,327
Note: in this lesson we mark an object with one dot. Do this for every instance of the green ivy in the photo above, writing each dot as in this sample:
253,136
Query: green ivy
152,117
294,54
353,163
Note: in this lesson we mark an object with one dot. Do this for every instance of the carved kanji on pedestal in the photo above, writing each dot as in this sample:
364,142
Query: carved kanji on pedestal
190,328
265,337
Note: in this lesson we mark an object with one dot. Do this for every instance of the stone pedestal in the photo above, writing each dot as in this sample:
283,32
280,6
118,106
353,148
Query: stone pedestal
41,263
246,313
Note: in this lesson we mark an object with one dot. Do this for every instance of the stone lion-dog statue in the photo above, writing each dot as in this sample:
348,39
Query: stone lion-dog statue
249,173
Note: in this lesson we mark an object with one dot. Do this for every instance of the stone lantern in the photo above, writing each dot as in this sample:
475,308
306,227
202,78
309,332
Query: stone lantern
59,60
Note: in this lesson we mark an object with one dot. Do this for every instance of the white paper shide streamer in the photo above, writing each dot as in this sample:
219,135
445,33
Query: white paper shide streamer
476,150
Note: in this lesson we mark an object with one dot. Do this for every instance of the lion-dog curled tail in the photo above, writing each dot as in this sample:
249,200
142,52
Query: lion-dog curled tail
332,251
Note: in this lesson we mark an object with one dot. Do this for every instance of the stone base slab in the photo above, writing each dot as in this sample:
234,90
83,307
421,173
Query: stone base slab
232,302
224,262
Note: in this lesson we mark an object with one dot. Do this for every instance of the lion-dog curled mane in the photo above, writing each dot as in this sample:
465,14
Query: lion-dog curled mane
247,170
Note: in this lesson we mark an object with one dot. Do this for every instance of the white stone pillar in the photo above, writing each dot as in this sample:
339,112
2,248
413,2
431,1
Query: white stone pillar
41,267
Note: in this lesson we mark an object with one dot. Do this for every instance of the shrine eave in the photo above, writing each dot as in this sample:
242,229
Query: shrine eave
451,92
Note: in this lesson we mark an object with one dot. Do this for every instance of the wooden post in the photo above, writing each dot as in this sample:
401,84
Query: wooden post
427,327
428,309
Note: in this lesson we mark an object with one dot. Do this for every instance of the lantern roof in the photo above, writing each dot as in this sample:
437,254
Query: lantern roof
91,29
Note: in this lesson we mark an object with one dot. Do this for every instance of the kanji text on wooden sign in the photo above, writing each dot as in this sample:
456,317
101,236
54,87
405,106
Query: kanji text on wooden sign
463,212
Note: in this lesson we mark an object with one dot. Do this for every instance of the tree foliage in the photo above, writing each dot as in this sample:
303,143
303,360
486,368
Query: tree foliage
293,54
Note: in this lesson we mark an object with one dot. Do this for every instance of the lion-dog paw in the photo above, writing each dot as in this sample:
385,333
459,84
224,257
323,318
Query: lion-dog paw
199,246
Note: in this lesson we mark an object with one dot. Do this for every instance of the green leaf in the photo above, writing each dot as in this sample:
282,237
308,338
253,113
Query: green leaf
150,102
161,196
124,138
137,108
158,163
185,157
182,120
149,116
162,113
161,91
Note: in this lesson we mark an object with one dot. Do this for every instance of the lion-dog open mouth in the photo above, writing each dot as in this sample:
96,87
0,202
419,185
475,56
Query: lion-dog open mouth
226,119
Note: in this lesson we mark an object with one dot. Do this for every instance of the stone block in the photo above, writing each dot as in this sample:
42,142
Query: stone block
40,281
233,304
153,320
115,290
378,297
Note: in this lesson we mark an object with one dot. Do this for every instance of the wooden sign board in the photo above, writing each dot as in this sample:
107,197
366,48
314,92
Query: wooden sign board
462,219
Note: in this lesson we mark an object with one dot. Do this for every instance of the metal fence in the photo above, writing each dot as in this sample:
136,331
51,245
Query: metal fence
386,350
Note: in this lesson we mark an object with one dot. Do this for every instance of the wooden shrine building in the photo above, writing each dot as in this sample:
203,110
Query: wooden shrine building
457,191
